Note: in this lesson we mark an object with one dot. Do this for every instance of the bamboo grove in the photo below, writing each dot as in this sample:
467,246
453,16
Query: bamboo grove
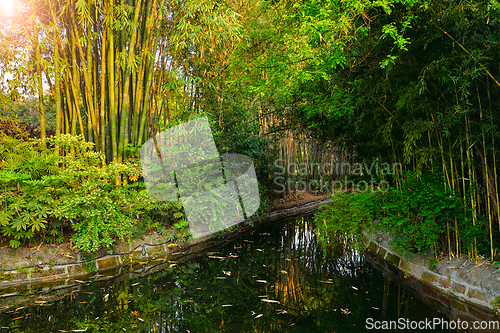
113,66
396,81
416,84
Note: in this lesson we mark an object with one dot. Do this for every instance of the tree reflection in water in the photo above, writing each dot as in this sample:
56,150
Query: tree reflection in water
275,279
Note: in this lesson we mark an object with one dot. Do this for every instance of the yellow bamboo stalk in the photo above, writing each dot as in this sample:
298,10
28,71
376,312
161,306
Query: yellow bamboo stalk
87,72
471,182
457,249
102,113
38,79
485,156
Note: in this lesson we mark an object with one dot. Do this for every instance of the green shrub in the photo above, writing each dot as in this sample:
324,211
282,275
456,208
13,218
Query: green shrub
73,189
417,215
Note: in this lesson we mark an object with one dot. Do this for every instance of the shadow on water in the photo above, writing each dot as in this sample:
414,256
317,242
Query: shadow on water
273,279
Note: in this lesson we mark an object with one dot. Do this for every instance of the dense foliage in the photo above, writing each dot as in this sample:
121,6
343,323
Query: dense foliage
423,215
398,81
46,195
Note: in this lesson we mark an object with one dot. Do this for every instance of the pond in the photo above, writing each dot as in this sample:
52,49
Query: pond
275,278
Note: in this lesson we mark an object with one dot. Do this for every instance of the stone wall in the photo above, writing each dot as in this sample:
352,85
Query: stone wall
54,267
459,278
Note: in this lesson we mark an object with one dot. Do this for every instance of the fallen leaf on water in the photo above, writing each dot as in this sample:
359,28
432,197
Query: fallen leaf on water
260,250
261,281
354,288
189,301
270,301
228,273
258,316
284,272
79,281
225,305
17,318
135,284
375,308
327,281
221,277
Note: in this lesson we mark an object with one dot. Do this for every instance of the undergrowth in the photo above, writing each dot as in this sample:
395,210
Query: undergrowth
56,187
420,215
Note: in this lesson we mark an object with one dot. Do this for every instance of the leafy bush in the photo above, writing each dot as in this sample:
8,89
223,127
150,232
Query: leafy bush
417,215
75,190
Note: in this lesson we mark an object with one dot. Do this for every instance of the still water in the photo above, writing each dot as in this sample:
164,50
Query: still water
273,279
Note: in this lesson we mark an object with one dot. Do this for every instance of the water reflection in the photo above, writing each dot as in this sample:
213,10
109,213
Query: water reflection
275,279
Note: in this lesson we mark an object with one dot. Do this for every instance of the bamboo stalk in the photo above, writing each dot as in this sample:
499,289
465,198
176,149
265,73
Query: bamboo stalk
38,79
457,248
57,78
113,115
125,108
494,159
102,113
471,183
485,156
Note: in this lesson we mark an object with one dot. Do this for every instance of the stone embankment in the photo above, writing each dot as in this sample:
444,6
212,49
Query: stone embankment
25,270
446,281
